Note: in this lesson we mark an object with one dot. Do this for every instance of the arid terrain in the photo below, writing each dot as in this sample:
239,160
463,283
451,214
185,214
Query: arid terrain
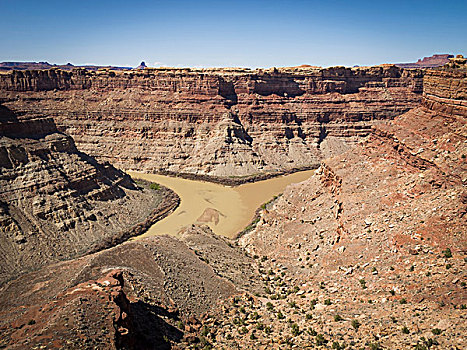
369,252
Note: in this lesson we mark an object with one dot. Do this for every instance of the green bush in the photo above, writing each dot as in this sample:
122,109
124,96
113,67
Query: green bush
355,324
295,330
320,340
447,253
154,186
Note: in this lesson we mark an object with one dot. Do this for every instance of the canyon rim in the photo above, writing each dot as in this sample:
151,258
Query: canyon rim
233,175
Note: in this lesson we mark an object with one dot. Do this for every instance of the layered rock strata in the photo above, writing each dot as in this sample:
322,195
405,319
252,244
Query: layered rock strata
376,238
57,203
215,122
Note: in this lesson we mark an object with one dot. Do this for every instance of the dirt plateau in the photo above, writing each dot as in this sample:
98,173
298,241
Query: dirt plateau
368,253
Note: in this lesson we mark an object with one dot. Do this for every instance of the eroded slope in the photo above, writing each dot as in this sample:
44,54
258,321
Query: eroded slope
57,203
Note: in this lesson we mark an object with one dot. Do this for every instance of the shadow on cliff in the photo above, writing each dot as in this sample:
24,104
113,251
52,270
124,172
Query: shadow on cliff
7,115
151,331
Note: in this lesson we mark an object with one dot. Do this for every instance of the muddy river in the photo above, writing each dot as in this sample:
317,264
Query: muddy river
227,210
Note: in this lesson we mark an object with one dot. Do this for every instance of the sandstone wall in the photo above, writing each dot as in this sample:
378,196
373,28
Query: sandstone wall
56,202
446,91
217,122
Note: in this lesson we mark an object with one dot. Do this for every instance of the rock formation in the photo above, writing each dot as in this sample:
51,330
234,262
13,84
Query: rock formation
57,203
145,294
215,122
433,61
377,236
369,252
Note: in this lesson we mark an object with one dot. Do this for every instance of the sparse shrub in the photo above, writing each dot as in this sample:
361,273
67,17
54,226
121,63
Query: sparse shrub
267,330
292,304
403,301
280,316
312,332
392,292
363,283
374,346
31,322
252,336
154,186
308,316
355,324
338,318
447,253
313,302
295,330
242,309
205,331
260,326
448,266
405,330
337,346
320,340
327,302
269,306
436,331
412,268
425,344
254,316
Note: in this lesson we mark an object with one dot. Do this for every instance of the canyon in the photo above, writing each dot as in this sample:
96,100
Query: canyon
219,123
368,252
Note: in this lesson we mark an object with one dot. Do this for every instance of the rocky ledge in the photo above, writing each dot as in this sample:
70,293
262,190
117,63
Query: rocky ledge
214,122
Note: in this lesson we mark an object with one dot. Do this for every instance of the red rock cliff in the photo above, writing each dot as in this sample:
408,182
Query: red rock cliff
220,122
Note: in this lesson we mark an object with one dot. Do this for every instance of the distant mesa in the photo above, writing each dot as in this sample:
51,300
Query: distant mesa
142,65
6,66
436,60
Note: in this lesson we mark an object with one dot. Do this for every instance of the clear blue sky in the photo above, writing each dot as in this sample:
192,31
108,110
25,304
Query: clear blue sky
252,33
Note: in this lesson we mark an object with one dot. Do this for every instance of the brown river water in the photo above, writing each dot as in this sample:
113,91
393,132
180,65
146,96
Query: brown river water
227,210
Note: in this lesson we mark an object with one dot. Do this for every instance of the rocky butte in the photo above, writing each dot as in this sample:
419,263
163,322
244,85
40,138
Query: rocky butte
368,253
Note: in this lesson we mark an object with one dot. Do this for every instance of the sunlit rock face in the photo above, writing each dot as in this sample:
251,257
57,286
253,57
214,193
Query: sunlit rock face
217,122
55,201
